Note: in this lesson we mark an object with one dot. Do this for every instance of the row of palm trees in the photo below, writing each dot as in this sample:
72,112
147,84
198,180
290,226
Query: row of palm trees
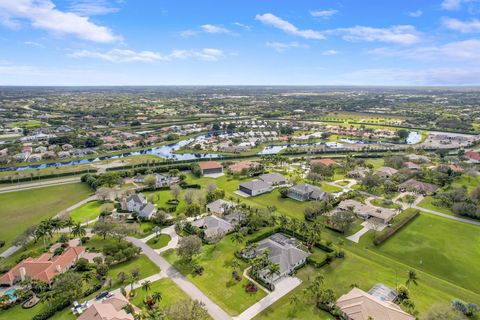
46,229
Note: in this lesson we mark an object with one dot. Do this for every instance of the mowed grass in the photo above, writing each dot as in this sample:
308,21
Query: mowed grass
217,281
429,203
170,292
87,212
445,248
21,209
159,242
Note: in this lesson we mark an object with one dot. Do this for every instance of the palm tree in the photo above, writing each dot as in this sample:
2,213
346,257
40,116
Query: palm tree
412,278
235,264
156,297
78,230
272,270
237,238
146,286
283,220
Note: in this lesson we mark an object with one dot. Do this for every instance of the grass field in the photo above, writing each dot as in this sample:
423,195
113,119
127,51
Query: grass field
146,267
87,212
217,281
170,292
21,209
159,242
428,203
444,248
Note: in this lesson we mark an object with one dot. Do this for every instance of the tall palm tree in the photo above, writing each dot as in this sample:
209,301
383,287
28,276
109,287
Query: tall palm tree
272,270
156,297
283,220
78,230
237,238
412,278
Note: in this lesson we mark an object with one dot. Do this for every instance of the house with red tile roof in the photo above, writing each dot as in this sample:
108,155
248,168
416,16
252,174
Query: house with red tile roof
44,268
473,155
324,161
211,167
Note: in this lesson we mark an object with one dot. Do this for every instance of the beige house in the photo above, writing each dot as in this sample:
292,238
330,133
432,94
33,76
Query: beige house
360,305
109,309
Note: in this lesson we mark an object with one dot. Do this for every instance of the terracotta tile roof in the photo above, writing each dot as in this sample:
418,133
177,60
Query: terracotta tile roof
324,161
473,155
43,268
210,165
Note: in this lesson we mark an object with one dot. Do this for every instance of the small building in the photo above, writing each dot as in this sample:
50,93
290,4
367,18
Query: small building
111,308
386,172
44,268
305,191
211,167
273,179
219,206
254,187
418,186
360,305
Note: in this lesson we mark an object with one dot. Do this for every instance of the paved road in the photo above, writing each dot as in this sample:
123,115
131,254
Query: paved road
39,184
182,282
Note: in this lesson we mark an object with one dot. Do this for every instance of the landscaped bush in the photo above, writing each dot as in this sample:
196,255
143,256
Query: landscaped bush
250,287
50,311
406,217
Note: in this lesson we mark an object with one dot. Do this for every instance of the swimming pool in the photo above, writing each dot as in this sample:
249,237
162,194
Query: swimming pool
11,293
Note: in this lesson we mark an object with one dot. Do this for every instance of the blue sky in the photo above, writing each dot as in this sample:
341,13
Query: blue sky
218,42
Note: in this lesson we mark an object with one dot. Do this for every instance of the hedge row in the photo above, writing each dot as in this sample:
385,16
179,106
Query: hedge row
388,232
45,176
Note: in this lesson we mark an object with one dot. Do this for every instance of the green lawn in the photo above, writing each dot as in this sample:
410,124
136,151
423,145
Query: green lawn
428,203
465,181
87,212
384,203
159,242
445,248
171,293
329,188
147,268
21,209
216,281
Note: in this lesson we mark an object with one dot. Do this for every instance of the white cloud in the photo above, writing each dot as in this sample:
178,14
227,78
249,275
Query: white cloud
287,27
34,44
401,34
470,26
43,14
210,28
451,4
330,53
92,7
460,50
323,13
282,46
125,55
416,13
241,25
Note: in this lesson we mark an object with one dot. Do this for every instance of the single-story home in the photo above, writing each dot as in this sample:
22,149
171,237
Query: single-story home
305,191
214,226
324,161
219,206
44,268
243,165
418,186
386,172
109,309
210,167
360,305
273,179
283,251
366,212
254,187
411,165
474,156
358,173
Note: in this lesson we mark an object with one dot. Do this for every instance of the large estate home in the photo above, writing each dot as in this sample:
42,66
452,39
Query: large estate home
44,268
418,186
137,203
243,165
284,251
305,191
214,226
273,179
219,206
324,161
360,305
254,187
363,211
108,309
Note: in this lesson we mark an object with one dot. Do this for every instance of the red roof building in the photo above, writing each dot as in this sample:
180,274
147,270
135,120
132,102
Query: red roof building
211,167
324,161
473,155
43,268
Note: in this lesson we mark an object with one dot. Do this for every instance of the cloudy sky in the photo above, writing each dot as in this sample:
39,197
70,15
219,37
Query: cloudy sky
254,42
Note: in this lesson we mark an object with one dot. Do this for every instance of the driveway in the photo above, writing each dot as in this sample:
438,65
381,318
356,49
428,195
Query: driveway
282,287
182,282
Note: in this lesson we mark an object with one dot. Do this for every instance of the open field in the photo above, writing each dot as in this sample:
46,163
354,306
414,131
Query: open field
21,209
87,212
